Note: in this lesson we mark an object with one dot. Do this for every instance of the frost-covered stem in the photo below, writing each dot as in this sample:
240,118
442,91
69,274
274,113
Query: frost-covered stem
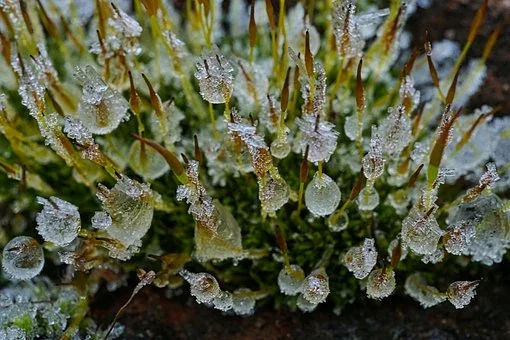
78,316
155,36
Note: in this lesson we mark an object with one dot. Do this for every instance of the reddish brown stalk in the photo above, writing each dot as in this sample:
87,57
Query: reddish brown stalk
169,156
414,176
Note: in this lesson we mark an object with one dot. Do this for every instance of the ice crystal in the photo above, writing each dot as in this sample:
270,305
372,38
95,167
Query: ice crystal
290,279
435,257
130,206
203,286
280,147
322,195
215,77
101,109
101,220
321,138
22,258
420,232
360,260
59,221
304,305
223,301
395,131
273,193
417,288
315,287
460,293
381,283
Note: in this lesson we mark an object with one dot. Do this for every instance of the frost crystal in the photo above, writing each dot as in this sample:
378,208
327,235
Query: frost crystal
215,77
22,258
273,193
373,162
315,287
460,293
203,286
321,138
322,195
101,109
395,132
130,206
435,257
420,232
347,33
417,288
304,305
360,260
101,220
223,301
458,237
380,283
58,222
290,279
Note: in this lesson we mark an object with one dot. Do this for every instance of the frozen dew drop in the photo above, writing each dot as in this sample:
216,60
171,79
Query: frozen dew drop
395,131
315,287
339,224
215,77
361,260
243,301
274,193
421,233
417,288
322,195
58,222
373,162
280,148
460,293
368,199
304,305
146,162
290,279
203,286
22,258
381,283
101,109
223,301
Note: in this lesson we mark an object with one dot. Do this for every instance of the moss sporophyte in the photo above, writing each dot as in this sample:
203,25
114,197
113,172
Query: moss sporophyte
259,152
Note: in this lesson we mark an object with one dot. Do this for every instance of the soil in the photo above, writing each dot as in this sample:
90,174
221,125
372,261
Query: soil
151,315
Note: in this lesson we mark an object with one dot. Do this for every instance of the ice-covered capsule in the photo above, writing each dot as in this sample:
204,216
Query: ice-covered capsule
460,293
203,286
322,195
215,77
421,232
417,288
101,109
290,279
223,301
130,206
361,260
243,301
316,286
458,237
22,258
348,36
146,162
321,138
381,283
58,222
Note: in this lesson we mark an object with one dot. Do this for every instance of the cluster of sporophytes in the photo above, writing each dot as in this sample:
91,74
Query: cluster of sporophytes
292,154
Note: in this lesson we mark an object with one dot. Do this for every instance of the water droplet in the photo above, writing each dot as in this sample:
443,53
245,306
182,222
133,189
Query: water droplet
322,195
290,279
23,258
